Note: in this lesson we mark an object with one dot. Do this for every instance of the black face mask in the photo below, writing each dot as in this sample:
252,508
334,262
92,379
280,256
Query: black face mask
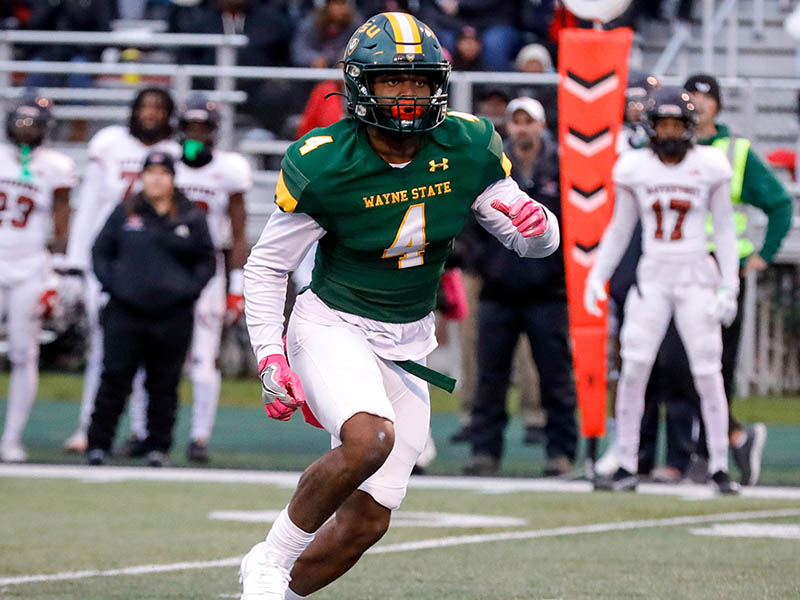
196,154
673,148
149,135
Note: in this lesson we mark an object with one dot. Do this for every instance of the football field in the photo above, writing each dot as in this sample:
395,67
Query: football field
75,533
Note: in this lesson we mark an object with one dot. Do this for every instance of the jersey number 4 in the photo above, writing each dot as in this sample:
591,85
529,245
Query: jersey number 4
25,206
409,243
681,207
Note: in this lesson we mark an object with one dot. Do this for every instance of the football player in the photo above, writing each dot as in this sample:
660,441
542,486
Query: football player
384,190
671,186
215,181
35,184
640,89
116,157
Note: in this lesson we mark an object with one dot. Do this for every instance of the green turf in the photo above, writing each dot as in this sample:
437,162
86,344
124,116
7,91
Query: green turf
52,526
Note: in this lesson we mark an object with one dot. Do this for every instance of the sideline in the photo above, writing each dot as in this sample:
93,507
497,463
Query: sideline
444,542
288,479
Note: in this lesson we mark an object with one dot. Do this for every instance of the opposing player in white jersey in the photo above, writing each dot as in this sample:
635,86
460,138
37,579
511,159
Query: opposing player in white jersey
671,186
216,181
34,188
116,156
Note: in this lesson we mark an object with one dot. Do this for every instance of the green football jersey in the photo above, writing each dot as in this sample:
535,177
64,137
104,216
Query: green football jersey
389,230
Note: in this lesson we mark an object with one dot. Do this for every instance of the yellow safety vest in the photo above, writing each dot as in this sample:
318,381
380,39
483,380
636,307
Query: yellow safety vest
737,156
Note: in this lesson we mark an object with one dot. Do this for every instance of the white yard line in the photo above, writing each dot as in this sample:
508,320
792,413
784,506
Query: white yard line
288,479
444,542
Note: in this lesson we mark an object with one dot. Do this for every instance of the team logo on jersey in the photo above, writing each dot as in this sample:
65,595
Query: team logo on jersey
590,90
182,231
444,165
133,223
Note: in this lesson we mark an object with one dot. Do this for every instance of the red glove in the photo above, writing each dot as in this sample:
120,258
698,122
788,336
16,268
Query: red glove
234,308
47,303
281,389
526,215
455,298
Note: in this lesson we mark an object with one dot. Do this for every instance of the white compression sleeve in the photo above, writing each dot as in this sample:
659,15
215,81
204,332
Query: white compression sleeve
284,242
617,235
83,228
499,225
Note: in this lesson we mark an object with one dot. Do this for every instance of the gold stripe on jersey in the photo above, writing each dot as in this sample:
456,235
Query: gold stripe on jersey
407,37
283,197
505,162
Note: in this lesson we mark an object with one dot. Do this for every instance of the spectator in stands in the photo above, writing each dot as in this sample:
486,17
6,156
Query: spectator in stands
520,298
322,35
153,257
14,14
324,107
535,58
492,104
67,15
467,55
495,21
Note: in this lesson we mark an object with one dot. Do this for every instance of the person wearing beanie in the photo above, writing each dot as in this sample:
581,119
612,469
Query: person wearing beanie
153,257
755,184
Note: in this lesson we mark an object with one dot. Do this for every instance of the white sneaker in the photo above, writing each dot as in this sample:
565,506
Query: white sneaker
77,442
262,578
12,452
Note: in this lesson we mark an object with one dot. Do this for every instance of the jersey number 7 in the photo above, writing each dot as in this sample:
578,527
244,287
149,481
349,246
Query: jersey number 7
409,243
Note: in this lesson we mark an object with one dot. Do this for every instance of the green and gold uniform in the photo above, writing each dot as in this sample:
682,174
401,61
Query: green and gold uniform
389,230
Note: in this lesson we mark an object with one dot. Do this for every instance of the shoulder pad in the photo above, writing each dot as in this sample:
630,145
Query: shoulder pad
106,138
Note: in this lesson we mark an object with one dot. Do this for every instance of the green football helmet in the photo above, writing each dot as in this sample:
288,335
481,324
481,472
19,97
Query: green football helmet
400,43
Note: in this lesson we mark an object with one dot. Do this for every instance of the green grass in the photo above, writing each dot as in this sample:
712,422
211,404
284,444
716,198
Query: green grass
66,387
53,526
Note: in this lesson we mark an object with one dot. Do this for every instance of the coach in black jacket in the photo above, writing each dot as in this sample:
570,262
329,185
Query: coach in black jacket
520,296
153,257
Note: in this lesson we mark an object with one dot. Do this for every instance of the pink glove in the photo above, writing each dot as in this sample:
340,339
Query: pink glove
281,389
526,215
454,295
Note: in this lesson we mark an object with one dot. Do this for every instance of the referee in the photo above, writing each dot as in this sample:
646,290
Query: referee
153,257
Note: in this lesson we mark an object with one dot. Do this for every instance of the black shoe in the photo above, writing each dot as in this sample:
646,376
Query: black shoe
534,435
748,456
133,448
621,481
96,457
156,458
725,486
482,465
697,471
462,436
417,470
197,452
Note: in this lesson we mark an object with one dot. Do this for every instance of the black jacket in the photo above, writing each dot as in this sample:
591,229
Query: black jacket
507,277
154,264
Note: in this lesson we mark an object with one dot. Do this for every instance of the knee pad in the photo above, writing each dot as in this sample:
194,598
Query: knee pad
635,371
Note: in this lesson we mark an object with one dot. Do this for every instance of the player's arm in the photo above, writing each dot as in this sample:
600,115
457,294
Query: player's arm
60,220
511,227
284,242
234,305
90,203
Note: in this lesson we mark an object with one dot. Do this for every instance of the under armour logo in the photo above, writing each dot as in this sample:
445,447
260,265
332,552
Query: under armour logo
434,165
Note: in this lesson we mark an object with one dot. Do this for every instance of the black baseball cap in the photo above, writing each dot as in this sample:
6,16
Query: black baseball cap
161,159
707,84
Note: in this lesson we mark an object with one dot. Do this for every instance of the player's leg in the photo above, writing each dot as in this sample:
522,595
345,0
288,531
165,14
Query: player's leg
364,517
206,378
77,442
647,314
346,393
23,342
137,411
702,336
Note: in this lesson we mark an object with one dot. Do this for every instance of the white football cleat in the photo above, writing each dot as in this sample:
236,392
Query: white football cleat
77,442
261,576
12,452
